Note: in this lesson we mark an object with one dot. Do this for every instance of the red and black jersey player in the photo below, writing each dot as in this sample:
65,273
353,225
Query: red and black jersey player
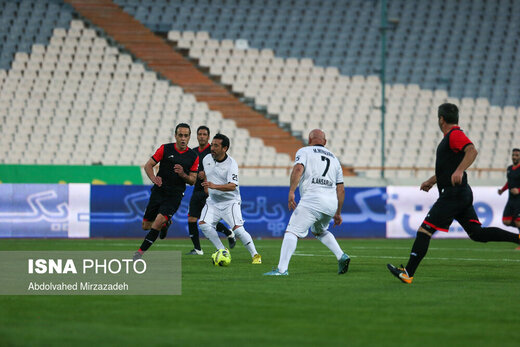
455,153
511,216
178,166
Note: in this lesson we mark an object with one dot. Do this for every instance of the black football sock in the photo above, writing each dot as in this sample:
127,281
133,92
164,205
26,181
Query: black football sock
149,239
194,234
222,228
419,250
497,234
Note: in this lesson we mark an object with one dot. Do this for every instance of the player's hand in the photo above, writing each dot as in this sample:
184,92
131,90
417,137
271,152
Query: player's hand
500,191
158,181
292,201
179,170
201,175
514,191
208,184
426,185
337,219
456,178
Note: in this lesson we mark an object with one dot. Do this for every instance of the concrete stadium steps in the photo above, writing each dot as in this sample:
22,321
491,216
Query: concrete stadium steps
163,59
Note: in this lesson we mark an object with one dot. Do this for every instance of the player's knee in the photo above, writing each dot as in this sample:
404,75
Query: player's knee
239,230
319,235
476,233
507,222
146,225
517,223
204,227
192,219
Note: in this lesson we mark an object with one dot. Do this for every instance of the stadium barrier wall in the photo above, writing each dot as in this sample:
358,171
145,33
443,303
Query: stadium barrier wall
95,174
84,210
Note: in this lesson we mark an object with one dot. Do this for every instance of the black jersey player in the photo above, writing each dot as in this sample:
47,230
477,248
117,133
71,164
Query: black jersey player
455,153
178,166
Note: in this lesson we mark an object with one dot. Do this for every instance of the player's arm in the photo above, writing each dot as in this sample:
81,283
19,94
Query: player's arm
470,154
228,187
148,168
296,175
190,177
340,192
503,189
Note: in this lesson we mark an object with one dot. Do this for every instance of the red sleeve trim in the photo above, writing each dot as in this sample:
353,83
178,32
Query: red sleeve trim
158,154
504,188
458,141
195,166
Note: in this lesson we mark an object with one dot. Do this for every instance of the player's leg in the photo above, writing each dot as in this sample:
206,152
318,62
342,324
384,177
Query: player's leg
439,217
152,235
221,227
469,221
197,202
207,222
150,215
232,215
320,231
507,216
299,223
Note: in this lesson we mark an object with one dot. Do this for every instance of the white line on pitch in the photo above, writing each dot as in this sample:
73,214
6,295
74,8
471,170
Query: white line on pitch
390,257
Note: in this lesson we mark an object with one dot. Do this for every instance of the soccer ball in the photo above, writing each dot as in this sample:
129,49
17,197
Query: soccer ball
222,257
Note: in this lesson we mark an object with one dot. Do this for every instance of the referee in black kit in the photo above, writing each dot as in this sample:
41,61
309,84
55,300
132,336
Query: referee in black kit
198,199
455,153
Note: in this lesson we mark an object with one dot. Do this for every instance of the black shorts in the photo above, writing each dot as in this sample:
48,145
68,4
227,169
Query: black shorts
197,202
162,203
453,203
512,210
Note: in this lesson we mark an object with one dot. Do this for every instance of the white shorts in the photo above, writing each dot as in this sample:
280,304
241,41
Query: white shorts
230,213
304,218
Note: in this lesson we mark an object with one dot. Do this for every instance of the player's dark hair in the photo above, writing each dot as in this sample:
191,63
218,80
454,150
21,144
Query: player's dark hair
224,138
203,127
449,112
516,150
182,125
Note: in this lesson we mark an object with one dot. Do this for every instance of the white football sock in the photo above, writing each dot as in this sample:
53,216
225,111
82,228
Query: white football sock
330,241
246,239
212,235
288,247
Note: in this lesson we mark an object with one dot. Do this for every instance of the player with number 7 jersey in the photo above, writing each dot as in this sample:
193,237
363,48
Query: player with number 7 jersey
318,182
319,175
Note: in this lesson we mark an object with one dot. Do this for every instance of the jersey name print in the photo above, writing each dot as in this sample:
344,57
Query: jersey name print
322,173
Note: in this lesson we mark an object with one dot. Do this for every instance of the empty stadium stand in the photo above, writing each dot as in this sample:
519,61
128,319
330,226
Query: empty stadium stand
469,48
71,94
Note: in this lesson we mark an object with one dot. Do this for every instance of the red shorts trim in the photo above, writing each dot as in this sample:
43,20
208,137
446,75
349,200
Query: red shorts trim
435,227
475,221
507,218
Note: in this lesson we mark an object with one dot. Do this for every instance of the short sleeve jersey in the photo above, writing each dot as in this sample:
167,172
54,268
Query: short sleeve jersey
513,179
450,153
223,172
201,155
322,173
168,156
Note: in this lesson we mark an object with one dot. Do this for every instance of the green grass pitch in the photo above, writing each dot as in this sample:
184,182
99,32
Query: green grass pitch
464,294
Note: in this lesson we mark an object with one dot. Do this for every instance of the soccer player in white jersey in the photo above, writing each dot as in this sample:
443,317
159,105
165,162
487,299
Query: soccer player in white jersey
221,181
320,177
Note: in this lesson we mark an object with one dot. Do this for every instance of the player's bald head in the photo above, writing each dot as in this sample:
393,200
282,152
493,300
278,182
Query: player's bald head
317,137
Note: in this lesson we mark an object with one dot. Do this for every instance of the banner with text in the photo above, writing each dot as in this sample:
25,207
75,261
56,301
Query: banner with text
412,205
